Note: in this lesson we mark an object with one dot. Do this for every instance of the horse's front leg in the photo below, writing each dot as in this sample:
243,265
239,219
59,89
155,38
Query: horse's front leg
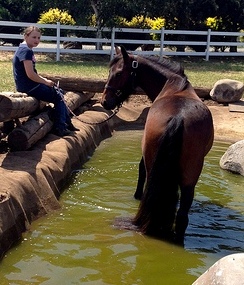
141,180
181,223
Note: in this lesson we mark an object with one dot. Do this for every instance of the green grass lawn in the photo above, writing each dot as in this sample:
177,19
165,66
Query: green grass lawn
201,73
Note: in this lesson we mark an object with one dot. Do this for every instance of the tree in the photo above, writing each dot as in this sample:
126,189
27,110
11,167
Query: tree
180,14
97,8
232,14
24,10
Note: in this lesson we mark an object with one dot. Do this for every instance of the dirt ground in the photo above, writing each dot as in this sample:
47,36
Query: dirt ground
228,125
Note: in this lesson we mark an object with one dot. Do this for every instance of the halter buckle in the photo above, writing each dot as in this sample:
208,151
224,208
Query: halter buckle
134,64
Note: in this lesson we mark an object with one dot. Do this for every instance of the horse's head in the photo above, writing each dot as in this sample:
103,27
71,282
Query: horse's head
120,83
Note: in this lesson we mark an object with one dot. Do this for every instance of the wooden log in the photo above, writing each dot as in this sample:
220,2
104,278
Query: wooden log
83,84
16,105
34,129
97,85
78,84
19,105
75,99
203,92
22,138
237,106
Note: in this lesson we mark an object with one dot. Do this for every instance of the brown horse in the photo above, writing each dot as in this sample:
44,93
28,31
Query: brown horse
178,134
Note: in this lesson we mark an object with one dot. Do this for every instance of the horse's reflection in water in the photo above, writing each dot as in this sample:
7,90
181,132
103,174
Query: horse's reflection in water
178,134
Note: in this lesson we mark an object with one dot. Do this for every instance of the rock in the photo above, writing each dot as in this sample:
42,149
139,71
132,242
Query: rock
227,90
233,158
229,270
72,45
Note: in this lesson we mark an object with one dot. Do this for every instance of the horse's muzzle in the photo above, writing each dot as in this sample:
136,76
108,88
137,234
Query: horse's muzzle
106,105
109,99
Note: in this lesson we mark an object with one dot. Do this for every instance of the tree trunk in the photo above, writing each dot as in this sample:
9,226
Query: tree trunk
96,6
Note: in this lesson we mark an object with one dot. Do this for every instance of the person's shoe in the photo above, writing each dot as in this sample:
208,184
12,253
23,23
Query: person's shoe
72,128
62,133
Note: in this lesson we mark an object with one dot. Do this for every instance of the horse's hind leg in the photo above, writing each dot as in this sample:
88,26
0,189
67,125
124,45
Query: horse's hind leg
141,180
181,223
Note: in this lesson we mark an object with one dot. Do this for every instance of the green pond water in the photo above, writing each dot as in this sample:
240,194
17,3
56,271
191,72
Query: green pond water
79,244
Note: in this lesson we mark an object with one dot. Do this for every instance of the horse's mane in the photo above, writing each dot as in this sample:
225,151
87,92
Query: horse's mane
165,64
162,65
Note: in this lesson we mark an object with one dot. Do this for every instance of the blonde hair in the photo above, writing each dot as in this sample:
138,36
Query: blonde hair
30,29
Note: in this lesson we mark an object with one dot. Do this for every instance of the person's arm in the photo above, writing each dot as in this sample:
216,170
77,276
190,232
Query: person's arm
34,76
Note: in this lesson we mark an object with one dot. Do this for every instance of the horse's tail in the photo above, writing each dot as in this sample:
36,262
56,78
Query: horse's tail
156,213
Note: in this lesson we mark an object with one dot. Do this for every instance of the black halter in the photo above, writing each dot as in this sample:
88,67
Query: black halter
134,66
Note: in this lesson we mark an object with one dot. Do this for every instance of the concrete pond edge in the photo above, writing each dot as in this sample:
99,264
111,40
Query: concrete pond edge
32,180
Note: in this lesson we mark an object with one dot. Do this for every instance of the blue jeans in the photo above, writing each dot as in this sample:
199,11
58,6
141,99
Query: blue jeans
48,94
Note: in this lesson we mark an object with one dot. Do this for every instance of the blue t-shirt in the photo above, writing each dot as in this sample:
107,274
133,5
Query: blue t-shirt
22,81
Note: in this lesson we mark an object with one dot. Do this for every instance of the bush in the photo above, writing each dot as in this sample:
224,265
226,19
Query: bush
137,22
214,23
140,22
54,15
242,38
157,24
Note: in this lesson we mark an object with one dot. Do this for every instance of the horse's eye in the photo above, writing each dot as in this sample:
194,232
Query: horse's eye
118,74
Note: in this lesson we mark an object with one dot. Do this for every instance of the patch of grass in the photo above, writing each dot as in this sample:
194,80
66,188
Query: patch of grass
201,73
7,81
74,67
81,69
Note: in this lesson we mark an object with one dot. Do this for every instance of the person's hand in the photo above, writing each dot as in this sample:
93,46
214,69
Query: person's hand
49,83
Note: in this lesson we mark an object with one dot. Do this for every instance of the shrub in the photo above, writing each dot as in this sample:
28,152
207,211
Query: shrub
214,23
54,15
138,22
242,38
157,24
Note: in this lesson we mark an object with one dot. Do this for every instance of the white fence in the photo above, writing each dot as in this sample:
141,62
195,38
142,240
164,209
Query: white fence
205,41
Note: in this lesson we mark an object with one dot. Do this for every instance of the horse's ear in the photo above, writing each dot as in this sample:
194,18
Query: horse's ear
124,52
117,50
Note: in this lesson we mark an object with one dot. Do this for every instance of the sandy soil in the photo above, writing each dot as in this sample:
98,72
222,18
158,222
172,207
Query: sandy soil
228,126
